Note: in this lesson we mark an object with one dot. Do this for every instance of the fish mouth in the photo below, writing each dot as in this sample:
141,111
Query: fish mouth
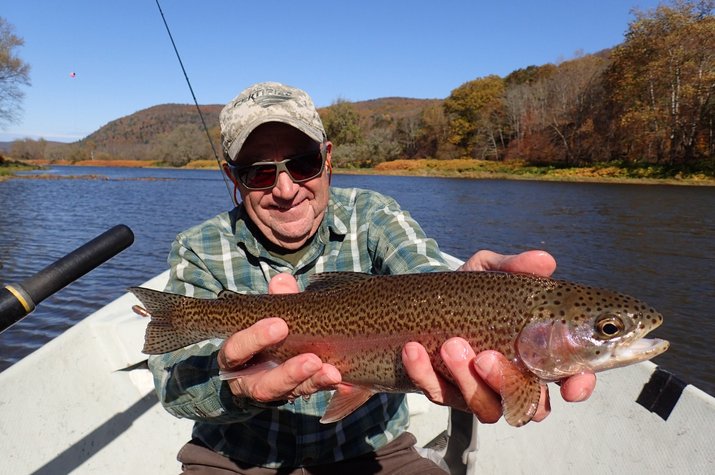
641,350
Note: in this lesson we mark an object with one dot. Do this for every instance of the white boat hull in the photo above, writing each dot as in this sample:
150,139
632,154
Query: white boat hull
73,407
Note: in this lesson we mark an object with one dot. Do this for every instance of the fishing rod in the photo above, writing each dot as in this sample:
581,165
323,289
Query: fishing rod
196,103
20,299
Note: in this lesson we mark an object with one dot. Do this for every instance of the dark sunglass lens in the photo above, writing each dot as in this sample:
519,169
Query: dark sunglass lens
305,167
260,176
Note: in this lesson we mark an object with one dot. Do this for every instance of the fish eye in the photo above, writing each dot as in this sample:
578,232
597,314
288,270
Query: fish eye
610,326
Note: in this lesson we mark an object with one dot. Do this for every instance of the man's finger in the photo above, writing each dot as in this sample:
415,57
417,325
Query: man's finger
579,387
283,283
243,345
419,368
480,398
277,383
326,378
534,262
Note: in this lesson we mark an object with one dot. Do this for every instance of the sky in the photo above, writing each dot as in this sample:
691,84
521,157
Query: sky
123,60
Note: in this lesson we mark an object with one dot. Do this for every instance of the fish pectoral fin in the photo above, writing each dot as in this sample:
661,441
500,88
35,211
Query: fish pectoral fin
346,398
520,395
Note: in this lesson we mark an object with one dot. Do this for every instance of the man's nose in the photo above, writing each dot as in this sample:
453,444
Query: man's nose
285,188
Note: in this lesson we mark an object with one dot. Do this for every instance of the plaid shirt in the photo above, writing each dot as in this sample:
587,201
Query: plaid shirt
362,231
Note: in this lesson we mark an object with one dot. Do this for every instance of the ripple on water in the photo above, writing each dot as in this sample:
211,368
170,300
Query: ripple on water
612,236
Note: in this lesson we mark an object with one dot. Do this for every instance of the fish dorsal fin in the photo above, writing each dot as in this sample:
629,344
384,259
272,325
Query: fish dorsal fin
335,280
227,294
520,396
345,399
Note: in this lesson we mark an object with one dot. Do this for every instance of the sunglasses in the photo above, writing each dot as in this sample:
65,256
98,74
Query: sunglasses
264,175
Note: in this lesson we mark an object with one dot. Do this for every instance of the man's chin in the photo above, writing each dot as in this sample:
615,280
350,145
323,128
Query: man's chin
291,238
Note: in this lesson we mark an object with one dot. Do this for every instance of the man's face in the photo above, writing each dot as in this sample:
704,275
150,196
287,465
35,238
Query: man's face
289,213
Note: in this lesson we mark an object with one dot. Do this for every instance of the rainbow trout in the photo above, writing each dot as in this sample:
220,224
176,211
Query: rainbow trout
550,329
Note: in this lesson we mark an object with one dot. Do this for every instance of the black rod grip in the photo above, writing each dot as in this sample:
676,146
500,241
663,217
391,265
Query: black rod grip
17,300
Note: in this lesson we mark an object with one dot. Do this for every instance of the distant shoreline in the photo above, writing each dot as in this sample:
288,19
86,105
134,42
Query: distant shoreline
459,168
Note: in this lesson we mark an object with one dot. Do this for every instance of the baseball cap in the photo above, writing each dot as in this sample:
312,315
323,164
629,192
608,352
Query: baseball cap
267,102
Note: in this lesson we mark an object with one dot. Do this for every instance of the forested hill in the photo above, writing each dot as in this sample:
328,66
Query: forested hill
173,133
395,107
147,126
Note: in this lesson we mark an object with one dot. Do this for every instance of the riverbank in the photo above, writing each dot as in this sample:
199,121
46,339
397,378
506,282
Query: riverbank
8,168
465,168
514,170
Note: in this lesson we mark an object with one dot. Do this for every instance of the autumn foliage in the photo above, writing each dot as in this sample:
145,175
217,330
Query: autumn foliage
648,101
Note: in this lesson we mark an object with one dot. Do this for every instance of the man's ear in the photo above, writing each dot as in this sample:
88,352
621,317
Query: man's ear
329,160
233,179
228,173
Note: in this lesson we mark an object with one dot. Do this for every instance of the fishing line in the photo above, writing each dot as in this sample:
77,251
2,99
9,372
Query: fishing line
196,103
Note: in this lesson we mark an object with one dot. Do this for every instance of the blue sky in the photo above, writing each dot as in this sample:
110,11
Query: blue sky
355,50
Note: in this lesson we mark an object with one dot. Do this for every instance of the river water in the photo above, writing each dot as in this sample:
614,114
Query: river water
656,243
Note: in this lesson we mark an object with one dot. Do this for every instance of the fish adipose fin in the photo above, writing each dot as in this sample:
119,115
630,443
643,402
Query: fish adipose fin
520,397
346,398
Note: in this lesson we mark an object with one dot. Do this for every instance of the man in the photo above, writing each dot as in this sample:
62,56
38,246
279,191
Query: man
289,225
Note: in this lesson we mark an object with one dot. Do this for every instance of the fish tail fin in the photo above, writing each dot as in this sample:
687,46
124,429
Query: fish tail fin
163,334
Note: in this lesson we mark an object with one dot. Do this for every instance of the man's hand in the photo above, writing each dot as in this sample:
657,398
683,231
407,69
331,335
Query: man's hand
301,375
478,376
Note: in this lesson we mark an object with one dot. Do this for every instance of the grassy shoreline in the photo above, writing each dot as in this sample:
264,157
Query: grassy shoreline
514,170
462,168
8,169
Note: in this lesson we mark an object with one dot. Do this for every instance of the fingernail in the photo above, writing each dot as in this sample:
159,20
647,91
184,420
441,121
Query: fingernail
275,330
582,396
456,350
222,361
411,353
484,363
326,380
311,366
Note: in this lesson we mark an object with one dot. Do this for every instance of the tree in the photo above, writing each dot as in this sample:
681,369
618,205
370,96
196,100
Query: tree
526,99
433,137
183,144
14,72
28,149
569,105
550,109
662,83
407,135
379,146
477,114
342,123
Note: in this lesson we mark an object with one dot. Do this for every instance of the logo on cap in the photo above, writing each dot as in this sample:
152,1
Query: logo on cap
266,97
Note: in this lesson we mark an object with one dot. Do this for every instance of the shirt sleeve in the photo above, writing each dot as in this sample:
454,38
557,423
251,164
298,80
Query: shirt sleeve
398,244
186,380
